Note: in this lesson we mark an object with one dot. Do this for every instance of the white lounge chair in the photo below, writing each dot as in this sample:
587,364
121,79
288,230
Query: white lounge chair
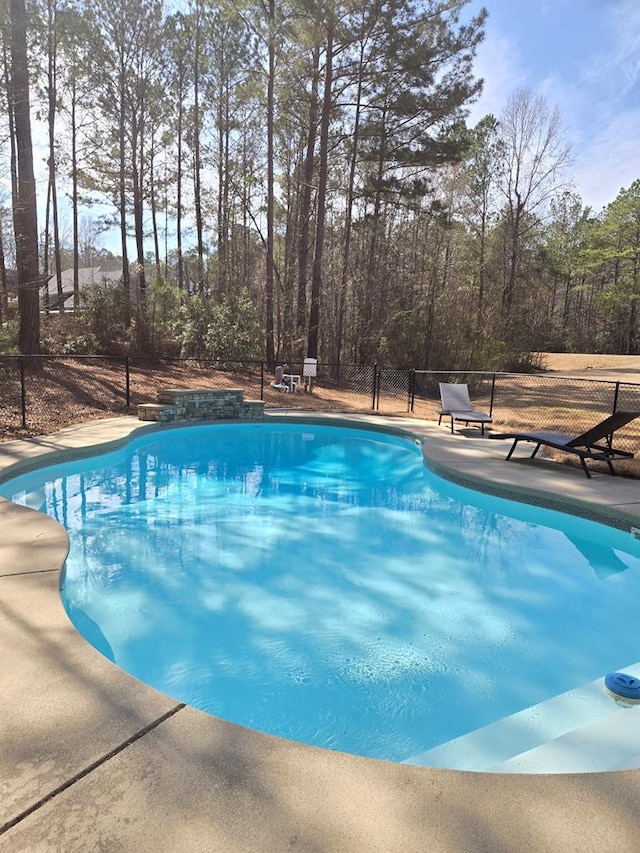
457,405
278,382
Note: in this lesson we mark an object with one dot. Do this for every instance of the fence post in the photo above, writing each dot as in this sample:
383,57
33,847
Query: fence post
127,380
23,394
493,393
412,388
262,380
373,390
615,397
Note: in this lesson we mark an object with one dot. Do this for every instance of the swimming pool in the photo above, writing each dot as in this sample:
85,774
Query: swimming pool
322,585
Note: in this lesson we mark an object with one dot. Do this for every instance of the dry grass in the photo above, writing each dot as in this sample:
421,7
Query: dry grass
615,367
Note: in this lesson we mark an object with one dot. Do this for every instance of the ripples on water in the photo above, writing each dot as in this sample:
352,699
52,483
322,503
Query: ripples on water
322,585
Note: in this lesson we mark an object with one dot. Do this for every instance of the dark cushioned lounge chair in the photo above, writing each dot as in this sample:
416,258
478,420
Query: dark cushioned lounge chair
595,443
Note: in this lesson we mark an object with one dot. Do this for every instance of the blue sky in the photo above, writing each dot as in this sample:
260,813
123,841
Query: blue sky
582,56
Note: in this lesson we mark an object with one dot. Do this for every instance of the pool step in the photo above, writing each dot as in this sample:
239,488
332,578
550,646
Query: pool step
603,744
565,720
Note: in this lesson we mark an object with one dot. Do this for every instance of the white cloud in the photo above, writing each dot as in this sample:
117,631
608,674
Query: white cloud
616,71
606,94
498,63
627,26
597,91
609,161
569,99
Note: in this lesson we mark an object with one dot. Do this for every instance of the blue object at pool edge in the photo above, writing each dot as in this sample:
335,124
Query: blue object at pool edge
623,687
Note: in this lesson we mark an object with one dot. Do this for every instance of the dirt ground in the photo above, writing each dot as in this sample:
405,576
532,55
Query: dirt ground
69,391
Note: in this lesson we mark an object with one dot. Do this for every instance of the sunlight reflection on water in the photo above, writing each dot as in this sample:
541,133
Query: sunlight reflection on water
325,586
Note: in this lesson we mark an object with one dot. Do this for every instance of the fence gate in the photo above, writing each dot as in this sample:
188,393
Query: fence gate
393,390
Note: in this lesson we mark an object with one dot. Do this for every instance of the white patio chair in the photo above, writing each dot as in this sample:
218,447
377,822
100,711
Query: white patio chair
278,382
457,405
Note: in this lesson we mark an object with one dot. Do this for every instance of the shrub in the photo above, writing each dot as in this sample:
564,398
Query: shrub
158,318
86,344
8,345
235,332
229,331
107,316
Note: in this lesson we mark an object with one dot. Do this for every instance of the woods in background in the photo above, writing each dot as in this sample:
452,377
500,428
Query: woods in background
298,178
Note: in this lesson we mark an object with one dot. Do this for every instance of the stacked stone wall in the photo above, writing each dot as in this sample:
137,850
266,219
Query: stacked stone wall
181,405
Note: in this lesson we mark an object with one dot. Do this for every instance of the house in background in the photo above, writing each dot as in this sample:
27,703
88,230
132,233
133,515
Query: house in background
88,279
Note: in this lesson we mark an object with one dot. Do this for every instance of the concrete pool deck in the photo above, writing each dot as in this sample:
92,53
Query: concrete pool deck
91,759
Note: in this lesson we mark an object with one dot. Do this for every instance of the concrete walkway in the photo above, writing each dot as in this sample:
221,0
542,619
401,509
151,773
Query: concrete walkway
91,759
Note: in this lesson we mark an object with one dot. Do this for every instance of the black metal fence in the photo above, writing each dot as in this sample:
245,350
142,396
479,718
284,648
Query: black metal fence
42,394
529,402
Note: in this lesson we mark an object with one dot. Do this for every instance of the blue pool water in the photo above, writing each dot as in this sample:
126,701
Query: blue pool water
321,584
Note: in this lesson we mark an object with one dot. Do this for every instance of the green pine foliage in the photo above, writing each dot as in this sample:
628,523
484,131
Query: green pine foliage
287,177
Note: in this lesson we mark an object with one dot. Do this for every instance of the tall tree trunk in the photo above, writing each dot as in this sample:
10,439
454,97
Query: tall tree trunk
482,273
3,275
52,74
74,196
321,203
270,353
224,177
45,250
11,117
197,159
221,181
514,258
305,201
137,170
126,282
366,333
632,325
13,167
292,201
246,203
179,260
153,204
348,216
25,209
